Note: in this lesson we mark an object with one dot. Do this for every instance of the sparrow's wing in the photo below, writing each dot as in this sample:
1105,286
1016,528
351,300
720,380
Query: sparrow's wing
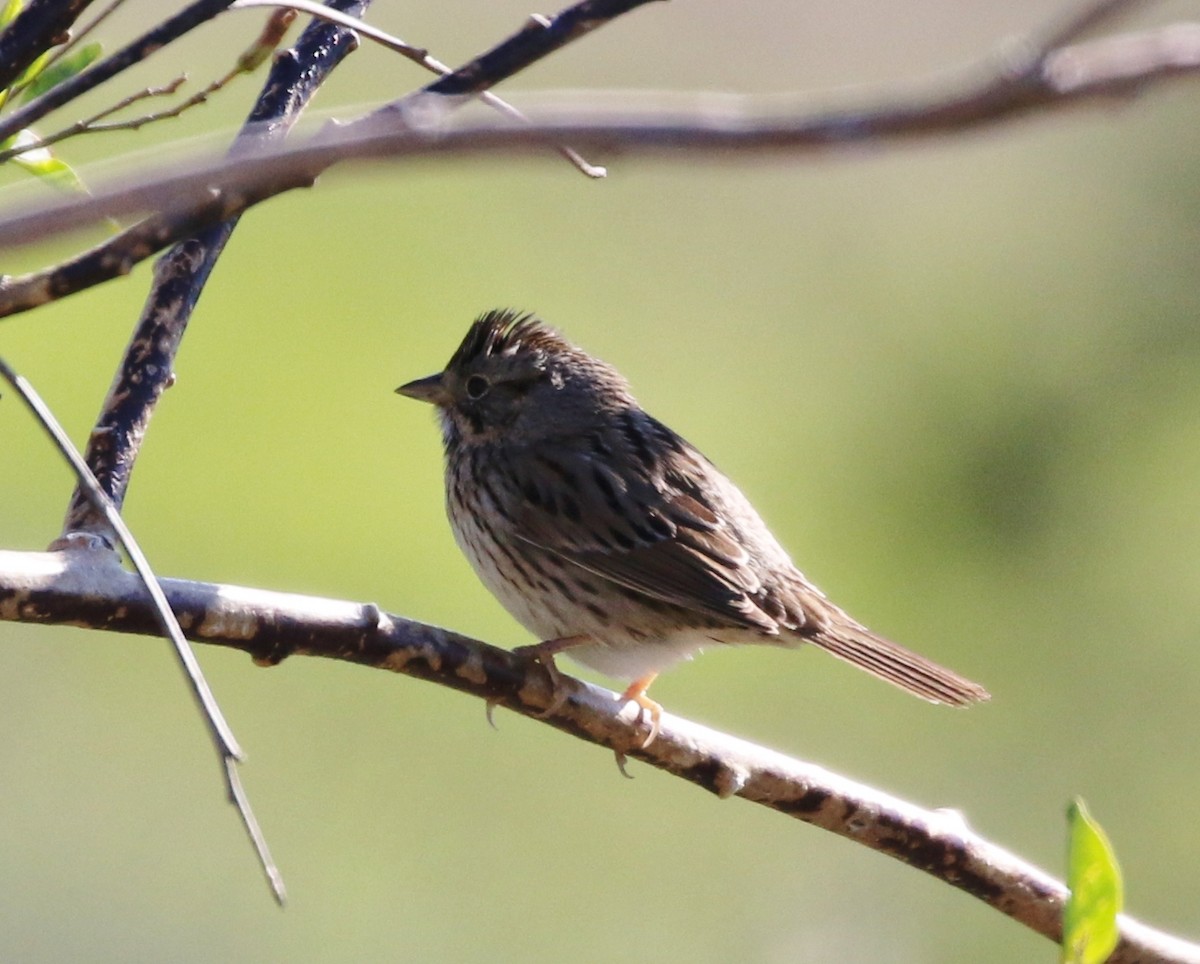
648,530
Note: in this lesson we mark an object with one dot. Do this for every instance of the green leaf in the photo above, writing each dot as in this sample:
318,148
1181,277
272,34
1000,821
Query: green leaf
64,69
26,76
1090,917
41,163
9,12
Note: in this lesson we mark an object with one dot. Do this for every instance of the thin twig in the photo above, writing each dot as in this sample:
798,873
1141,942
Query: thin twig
417,55
222,736
169,30
725,127
1083,20
78,589
246,63
91,125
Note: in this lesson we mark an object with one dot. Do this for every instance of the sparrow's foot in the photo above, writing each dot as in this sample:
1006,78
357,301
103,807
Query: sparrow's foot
543,653
636,693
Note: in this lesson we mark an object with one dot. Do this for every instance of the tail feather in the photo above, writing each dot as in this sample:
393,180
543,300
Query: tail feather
899,666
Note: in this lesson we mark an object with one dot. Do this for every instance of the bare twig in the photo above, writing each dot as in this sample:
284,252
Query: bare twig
419,56
331,15
169,30
160,610
87,588
725,126
92,125
1084,19
249,61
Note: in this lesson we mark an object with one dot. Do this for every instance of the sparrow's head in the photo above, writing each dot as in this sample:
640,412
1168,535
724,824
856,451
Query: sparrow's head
515,375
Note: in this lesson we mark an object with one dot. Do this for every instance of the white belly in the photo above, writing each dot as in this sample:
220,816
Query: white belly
539,604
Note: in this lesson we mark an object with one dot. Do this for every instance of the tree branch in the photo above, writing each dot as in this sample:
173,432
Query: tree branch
148,366
262,47
1072,76
537,39
89,588
201,206
170,29
417,55
40,26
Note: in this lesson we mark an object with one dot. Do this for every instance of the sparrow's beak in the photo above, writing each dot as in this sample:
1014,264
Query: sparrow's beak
429,389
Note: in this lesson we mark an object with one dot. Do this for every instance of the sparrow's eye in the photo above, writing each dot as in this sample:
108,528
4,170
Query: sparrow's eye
477,387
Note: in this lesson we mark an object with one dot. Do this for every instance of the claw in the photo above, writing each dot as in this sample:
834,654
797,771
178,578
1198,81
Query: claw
490,706
636,693
621,761
544,653
558,698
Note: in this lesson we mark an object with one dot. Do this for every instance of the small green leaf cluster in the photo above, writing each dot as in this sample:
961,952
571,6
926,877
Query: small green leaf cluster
50,69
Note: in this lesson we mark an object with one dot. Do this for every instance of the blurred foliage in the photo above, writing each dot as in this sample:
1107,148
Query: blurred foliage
958,378
48,71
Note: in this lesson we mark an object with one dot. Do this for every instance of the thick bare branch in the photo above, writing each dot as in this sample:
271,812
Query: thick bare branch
40,26
89,588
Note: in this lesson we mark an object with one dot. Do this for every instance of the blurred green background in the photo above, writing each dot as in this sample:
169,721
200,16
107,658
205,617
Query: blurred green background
958,379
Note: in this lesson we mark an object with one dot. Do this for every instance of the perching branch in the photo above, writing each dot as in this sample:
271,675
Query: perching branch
1069,76
89,588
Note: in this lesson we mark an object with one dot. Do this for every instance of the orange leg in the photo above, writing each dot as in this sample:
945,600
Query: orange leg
636,693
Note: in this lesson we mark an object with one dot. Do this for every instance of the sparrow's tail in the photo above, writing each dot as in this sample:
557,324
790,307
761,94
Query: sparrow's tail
899,666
